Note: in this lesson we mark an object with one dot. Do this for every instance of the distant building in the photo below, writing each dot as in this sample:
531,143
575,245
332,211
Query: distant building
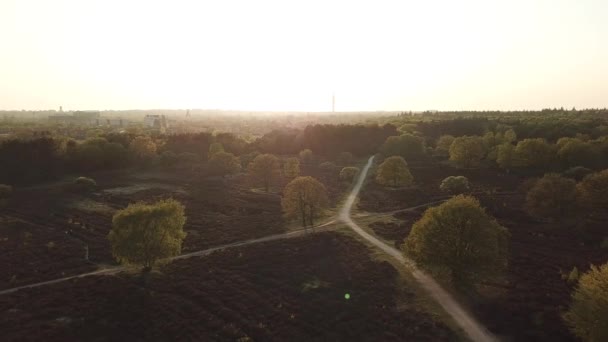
87,118
156,121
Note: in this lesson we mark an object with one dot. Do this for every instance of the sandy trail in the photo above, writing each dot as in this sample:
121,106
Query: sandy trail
467,323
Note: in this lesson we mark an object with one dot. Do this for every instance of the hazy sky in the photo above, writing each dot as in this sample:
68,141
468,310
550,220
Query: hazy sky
291,55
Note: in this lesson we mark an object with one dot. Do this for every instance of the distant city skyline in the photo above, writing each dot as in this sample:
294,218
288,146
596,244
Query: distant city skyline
296,56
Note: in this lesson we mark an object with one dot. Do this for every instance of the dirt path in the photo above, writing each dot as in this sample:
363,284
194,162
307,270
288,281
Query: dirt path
469,325
114,270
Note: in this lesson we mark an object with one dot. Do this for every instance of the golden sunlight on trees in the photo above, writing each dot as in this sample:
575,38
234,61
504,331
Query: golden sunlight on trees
264,170
533,154
143,148
467,151
304,198
143,234
349,173
215,148
587,314
460,241
510,136
291,168
575,152
223,163
593,191
504,156
552,196
394,172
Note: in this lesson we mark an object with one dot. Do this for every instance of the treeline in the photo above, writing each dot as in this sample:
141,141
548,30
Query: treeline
45,158
550,128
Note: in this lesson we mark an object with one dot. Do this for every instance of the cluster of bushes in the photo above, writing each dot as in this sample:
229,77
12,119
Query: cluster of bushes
554,196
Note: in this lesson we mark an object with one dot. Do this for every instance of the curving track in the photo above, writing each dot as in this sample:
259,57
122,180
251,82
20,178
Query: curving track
467,323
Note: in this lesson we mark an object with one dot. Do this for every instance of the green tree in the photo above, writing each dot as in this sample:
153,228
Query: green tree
406,145
443,145
223,163
588,311
349,173
504,156
576,152
394,171
304,198
510,136
533,154
143,234
467,151
577,173
291,168
143,148
459,240
264,170
593,189
215,148
552,196
306,157
455,185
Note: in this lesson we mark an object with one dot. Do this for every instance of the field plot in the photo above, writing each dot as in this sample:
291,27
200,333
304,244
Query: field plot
292,290
528,304
52,227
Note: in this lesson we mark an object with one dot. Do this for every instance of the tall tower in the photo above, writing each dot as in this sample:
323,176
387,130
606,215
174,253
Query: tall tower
333,103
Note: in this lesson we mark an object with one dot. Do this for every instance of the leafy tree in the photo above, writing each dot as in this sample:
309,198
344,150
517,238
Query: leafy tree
349,173
593,190
291,168
490,140
224,163
510,136
460,240
248,158
345,158
443,145
552,196
264,170
215,148
587,314
455,185
533,154
304,198
143,148
84,184
504,155
394,171
406,145
306,156
577,173
577,152
467,151
143,234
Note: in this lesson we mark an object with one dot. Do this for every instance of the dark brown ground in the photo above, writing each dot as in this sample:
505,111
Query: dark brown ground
527,306
289,290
